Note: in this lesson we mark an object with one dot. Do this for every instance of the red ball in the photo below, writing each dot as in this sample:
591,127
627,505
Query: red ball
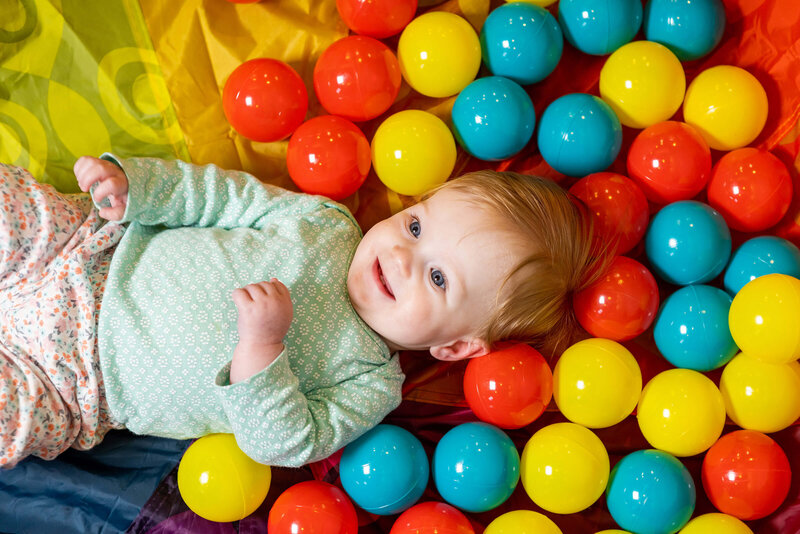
751,188
746,474
509,388
670,161
357,78
377,18
618,207
329,156
313,507
432,518
622,304
264,99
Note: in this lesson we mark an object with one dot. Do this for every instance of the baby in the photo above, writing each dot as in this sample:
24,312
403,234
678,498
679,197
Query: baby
233,306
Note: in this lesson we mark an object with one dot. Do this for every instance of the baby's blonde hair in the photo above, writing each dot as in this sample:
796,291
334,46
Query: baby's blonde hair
563,257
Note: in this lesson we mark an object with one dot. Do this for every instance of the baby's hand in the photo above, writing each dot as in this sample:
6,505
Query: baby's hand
265,312
111,184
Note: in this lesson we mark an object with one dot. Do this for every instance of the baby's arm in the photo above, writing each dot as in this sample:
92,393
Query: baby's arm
112,184
265,313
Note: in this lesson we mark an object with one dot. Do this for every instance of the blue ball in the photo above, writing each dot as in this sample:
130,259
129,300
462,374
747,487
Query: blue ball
521,41
691,329
599,27
650,492
688,242
759,256
475,467
690,28
579,134
493,118
384,471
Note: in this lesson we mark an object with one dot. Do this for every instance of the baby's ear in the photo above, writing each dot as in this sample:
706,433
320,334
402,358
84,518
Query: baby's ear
460,350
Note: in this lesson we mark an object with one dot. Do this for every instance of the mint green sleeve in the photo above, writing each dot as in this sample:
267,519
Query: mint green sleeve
176,193
275,424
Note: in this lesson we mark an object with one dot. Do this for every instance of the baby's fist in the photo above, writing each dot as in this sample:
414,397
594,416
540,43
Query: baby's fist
265,312
109,182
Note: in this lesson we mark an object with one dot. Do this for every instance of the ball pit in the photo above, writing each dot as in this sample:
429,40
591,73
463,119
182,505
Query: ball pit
688,28
432,518
759,256
522,522
376,18
599,27
313,506
716,523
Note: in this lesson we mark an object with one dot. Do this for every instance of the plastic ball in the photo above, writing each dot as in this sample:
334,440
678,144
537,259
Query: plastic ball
690,28
760,395
541,3
265,100
727,105
620,305
670,161
521,41
377,18
599,28
746,474
650,491
612,531
751,188
522,522
509,388
764,318
493,118
475,467
716,523
681,412
432,518
385,470
618,207
413,151
329,156
357,78
688,243
596,383
579,134
439,54
313,506
691,329
643,82
564,468
219,482
759,256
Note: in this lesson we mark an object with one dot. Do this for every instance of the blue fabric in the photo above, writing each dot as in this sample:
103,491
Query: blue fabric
82,492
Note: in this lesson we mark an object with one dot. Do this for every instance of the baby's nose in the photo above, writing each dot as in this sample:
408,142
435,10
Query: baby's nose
402,258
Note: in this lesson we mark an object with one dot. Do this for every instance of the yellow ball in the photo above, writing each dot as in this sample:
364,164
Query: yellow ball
764,318
681,412
717,524
564,468
522,522
643,82
439,54
727,105
760,395
219,482
413,151
596,383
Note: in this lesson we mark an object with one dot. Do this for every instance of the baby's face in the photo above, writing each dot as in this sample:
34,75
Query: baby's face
430,274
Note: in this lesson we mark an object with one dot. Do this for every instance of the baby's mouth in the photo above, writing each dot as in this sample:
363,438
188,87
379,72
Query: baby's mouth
382,280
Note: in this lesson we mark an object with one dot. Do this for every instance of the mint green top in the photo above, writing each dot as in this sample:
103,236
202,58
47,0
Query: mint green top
167,326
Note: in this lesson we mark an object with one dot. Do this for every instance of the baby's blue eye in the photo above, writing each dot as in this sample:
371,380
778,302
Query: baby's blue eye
415,228
438,278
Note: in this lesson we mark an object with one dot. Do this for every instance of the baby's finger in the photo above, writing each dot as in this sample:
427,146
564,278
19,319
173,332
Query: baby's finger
113,185
240,297
114,213
87,172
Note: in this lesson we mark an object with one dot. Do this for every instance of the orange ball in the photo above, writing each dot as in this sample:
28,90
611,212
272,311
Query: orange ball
509,388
